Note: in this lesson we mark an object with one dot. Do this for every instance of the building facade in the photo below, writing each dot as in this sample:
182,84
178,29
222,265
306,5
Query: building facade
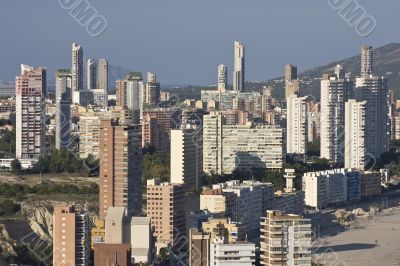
30,112
236,147
335,91
63,108
355,146
186,158
77,68
165,209
239,68
120,167
285,240
71,238
296,137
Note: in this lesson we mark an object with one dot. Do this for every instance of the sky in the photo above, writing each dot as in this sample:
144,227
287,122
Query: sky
183,41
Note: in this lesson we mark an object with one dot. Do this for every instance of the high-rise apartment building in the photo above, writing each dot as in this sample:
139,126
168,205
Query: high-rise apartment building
366,61
186,158
244,147
355,150
77,67
165,208
374,91
71,238
313,121
291,82
135,92
296,137
89,127
335,91
121,93
30,89
91,74
102,75
222,84
239,68
120,166
156,128
63,108
285,240
152,90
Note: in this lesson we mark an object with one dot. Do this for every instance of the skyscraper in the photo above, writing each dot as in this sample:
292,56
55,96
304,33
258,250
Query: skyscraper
355,134
291,82
30,89
366,60
63,108
239,68
222,78
77,67
152,90
102,75
135,92
121,92
290,72
120,166
296,137
71,239
374,91
335,91
91,74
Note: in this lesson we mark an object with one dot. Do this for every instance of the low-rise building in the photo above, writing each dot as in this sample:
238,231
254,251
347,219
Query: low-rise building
332,187
223,253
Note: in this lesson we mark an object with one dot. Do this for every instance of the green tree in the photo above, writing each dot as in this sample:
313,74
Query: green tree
8,207
16,165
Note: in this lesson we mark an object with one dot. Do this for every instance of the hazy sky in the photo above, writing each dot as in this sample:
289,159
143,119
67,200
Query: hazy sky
183,41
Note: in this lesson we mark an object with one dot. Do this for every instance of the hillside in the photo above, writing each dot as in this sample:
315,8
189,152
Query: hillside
386,63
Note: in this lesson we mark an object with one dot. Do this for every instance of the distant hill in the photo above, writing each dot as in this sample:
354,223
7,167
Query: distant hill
386,63
115,73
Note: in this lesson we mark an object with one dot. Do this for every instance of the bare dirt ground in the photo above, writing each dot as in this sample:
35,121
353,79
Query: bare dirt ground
6,177
368,241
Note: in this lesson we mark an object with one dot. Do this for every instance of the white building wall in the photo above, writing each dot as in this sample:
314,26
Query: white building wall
355,135
296,135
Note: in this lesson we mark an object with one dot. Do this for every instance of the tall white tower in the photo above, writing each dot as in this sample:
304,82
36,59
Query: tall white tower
335,91
296,137
222,78
374,91
355,134
239,68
